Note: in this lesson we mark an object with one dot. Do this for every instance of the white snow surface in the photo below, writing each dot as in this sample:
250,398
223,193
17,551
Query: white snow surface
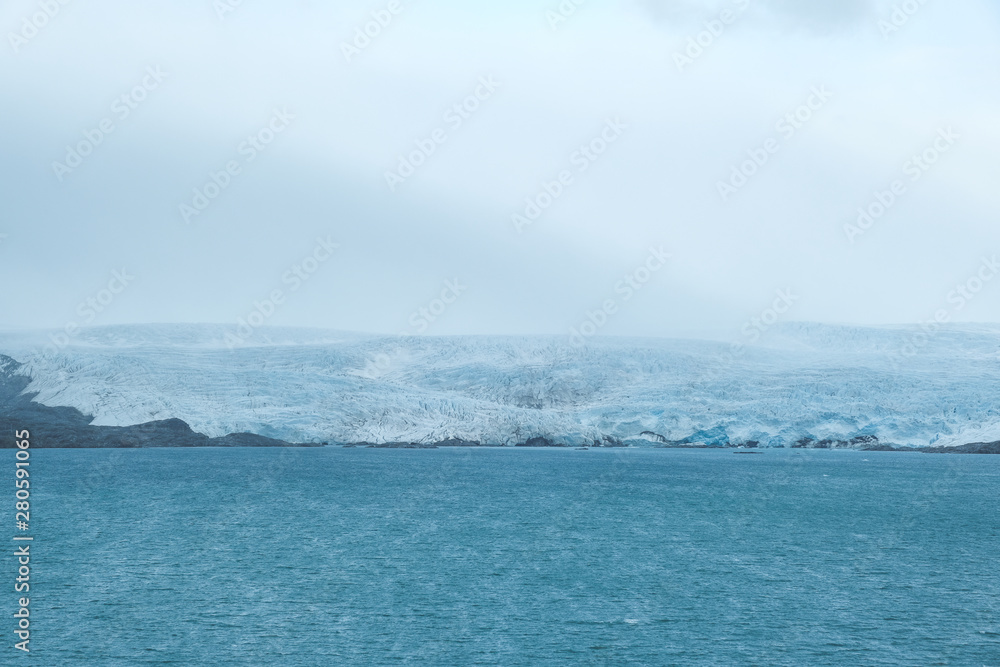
308,385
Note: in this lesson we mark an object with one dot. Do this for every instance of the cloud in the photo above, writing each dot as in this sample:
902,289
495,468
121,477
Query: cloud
822,17
453,217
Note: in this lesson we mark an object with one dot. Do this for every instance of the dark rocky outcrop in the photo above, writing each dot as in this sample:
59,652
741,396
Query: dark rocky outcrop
395,445
972,448
68,427
538,442
458,442
611,441
878,447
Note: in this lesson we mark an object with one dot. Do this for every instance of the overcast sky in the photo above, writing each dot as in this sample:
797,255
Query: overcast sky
676,118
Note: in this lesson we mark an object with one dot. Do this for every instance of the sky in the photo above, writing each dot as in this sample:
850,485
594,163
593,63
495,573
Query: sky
654,168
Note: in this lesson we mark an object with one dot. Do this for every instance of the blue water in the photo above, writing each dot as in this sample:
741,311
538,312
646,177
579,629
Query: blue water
512,557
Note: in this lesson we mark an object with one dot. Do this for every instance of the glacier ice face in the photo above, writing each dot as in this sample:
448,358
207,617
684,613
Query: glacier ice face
806,380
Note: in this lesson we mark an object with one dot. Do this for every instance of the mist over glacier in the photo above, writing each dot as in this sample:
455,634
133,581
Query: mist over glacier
903,385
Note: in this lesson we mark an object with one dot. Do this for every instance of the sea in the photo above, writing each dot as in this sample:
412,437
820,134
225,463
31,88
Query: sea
509,556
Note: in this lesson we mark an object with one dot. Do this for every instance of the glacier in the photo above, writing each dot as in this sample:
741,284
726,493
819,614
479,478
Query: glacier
903,385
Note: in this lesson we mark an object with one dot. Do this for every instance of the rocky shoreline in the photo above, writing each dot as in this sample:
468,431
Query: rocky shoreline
972,448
